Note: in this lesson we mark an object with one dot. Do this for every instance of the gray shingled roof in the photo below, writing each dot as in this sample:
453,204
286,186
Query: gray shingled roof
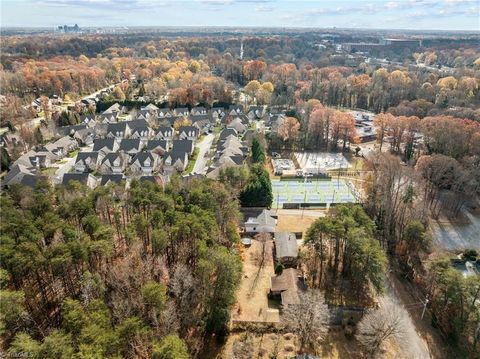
182,146
82,156
114,178
156,144
103,143
227,132
80,177
130,144
142,157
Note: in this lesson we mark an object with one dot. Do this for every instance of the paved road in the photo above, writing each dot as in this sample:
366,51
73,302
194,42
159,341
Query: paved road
413,345
67,166
64,168
204,146
97,92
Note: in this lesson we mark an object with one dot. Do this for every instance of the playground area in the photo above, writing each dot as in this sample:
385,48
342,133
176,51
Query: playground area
321,162
311,193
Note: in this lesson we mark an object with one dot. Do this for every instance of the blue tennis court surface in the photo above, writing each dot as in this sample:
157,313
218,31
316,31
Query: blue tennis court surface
311,192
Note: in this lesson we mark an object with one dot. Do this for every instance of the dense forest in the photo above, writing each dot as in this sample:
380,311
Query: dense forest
289,70
108,273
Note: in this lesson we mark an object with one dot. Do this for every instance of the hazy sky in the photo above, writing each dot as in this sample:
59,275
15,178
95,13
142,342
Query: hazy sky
400,14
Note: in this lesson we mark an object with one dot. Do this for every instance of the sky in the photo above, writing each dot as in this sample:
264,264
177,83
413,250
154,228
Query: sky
365,14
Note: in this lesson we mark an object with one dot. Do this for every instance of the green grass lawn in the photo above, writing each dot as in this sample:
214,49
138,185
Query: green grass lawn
73,154
191,162
50,171
201,138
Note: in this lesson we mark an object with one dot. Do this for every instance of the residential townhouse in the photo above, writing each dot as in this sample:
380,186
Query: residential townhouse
181,111
237,125
118,131
188,133
108,179
114,163
159,147
105,145
109,117
89,120
166,133
145,163
130,146
87,161
175,161
164,112
86,179
20,174
234,110
198,111
256,112
186,146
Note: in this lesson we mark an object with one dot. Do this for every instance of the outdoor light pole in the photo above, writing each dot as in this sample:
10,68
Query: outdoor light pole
304,195
338,178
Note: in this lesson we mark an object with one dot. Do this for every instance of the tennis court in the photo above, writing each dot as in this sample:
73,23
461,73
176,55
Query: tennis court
311,193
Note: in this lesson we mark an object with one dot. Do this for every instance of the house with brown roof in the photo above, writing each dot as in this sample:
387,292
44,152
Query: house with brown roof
286,286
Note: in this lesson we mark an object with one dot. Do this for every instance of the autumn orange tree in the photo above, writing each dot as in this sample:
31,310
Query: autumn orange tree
288,130
254,69
343,128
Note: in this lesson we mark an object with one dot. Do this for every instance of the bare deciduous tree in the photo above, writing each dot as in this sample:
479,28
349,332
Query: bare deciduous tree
263,239
380,325
243,348
309,319
260,257
184,288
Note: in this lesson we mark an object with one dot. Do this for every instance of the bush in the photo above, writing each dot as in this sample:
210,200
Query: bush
279,268
470,255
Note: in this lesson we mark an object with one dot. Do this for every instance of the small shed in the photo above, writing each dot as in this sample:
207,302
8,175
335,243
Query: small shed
286,249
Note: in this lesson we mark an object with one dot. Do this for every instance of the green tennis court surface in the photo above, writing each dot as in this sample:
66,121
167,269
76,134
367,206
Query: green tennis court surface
311,192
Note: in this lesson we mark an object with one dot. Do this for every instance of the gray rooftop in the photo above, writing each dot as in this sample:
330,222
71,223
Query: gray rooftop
285,245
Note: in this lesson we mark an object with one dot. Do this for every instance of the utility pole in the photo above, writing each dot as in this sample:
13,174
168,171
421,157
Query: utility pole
304,194
425,306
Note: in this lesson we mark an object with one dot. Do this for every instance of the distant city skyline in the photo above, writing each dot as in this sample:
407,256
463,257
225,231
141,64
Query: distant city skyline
373,14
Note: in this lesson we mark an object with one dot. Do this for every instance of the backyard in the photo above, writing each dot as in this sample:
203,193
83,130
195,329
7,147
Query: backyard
252,301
